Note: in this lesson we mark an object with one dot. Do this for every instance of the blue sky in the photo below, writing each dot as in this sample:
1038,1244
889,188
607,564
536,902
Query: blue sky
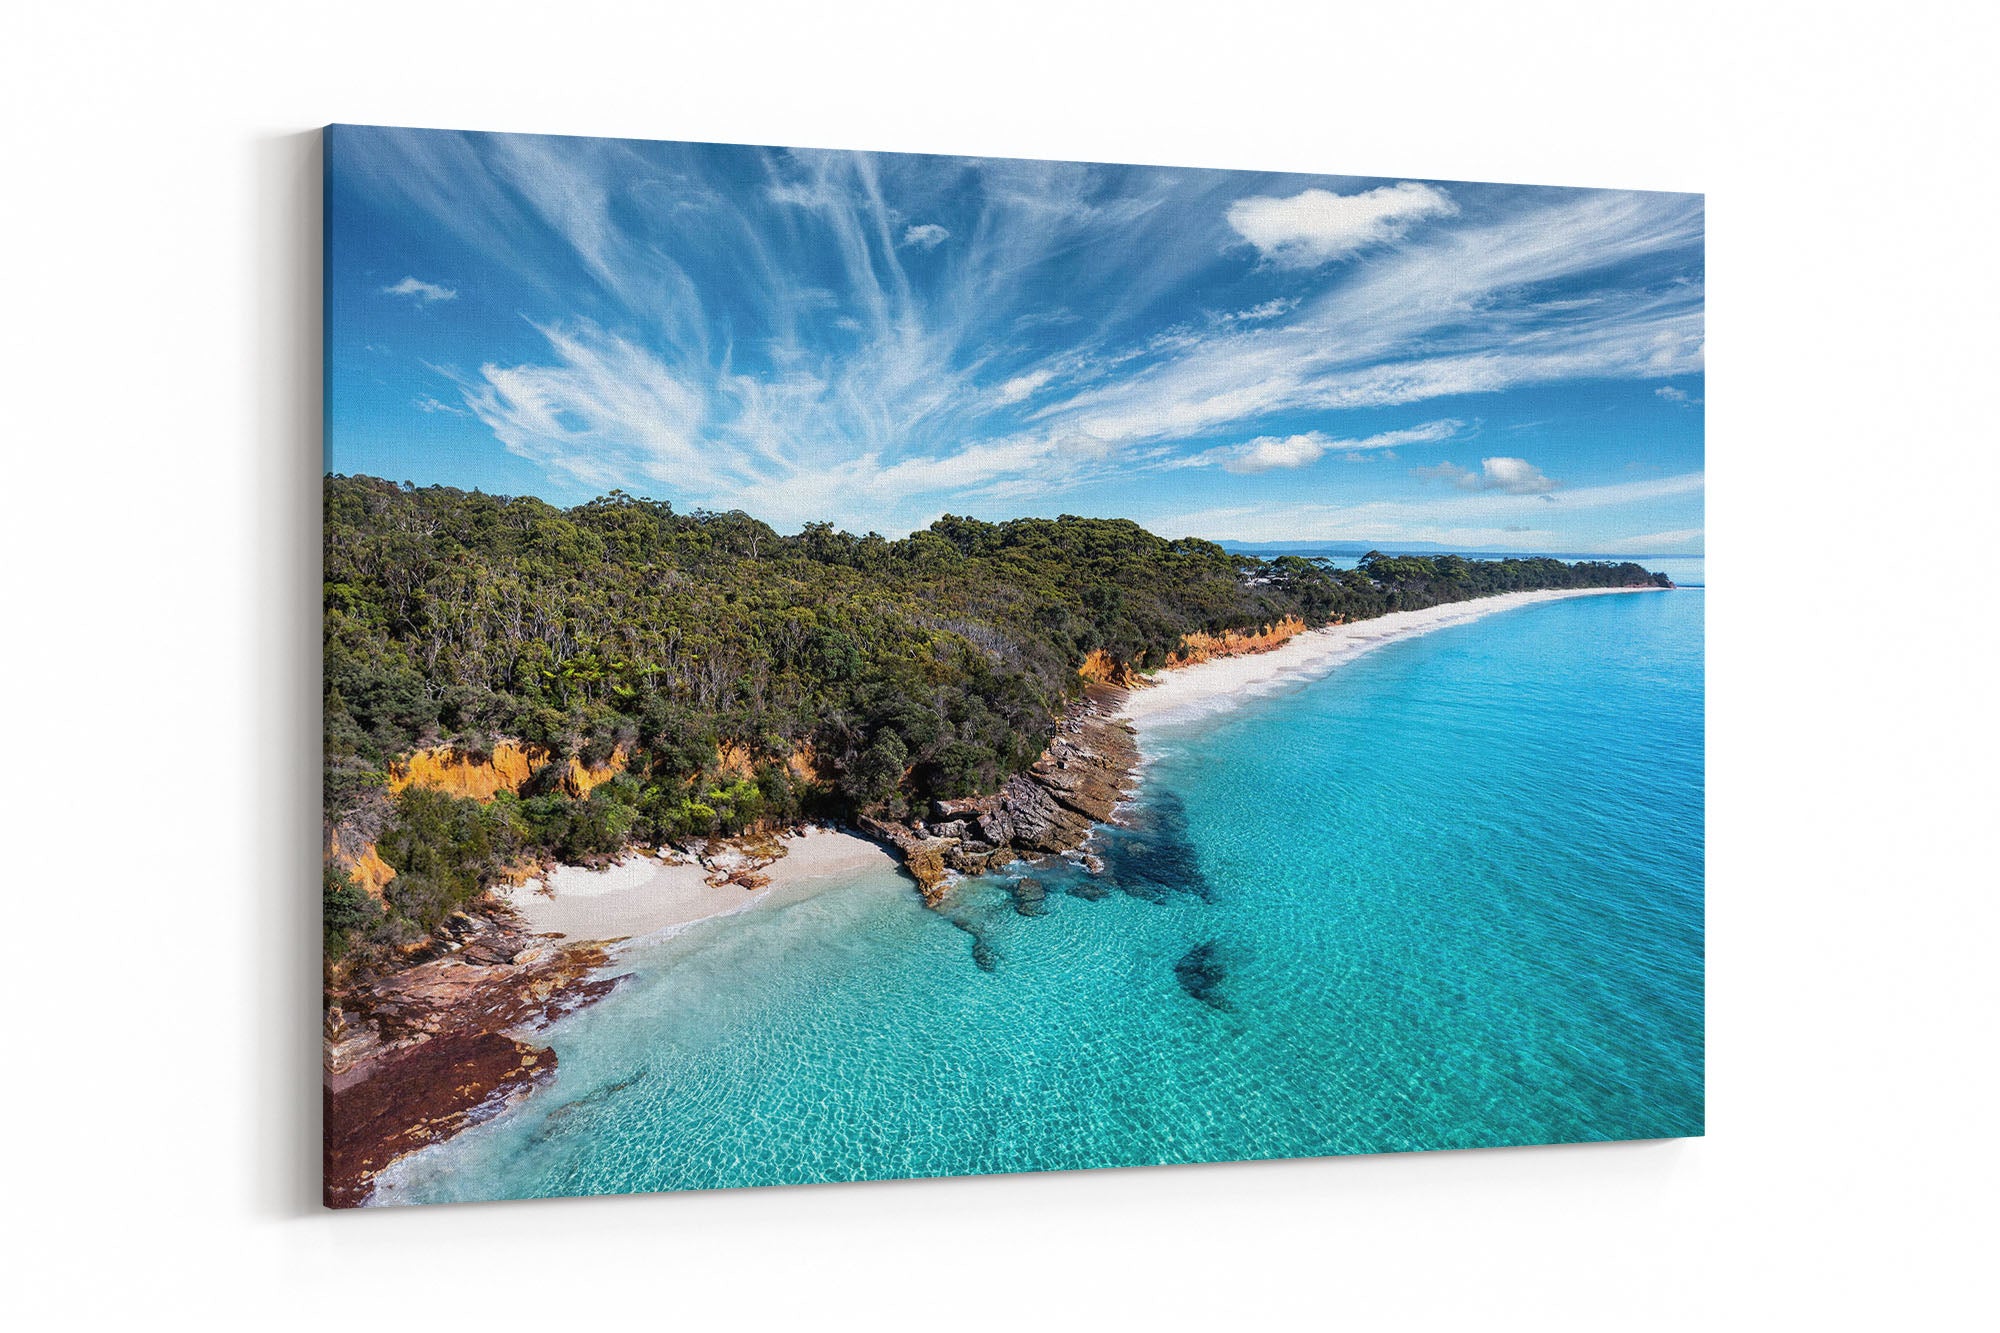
878,339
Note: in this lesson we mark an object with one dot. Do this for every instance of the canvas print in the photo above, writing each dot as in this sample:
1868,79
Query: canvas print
847,665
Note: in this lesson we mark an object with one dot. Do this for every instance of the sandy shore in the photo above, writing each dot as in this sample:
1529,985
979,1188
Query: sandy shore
644,894
1207,686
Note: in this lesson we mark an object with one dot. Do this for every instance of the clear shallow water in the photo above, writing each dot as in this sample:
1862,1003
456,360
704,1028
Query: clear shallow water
1448,896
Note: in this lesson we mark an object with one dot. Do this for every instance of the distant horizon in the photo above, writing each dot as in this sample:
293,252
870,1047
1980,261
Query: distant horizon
1235,546
876,339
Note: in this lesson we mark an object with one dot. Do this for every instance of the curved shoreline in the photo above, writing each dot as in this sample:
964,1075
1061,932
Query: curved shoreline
1205,687
505,1002
644,895
415,1057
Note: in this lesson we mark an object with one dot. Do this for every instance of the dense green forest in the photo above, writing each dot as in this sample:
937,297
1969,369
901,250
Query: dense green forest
932,666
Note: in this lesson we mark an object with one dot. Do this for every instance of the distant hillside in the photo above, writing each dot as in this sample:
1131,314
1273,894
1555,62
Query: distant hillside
1269,549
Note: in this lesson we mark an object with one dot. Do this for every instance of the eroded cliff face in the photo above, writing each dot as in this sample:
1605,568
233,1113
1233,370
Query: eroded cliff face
803,763
1101,668
354,853
508,768
1200,647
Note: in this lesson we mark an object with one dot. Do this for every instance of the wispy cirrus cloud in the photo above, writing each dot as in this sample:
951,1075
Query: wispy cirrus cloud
1456,317
1674,540
873,338
607,413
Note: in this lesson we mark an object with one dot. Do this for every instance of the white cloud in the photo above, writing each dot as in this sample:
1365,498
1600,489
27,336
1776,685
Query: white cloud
1317,226
1515,476
1678,397
608,413
1455,315
925,235
430,404
1269,452
423,293
1021,386
1257,314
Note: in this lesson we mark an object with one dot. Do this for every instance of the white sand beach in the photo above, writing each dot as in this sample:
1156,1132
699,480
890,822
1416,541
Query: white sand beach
1221,682
644,894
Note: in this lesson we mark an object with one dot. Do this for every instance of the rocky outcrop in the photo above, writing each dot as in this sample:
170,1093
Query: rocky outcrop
416,1056
1075,785
923,855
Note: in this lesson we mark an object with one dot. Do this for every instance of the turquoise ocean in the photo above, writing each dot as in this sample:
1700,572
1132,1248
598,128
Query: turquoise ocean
1448,895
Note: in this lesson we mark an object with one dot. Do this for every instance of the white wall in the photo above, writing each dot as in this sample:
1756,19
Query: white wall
160,435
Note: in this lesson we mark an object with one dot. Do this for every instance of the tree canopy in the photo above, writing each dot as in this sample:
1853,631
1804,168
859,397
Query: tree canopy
749,677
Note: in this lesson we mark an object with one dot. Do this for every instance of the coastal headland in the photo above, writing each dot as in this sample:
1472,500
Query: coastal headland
1090,765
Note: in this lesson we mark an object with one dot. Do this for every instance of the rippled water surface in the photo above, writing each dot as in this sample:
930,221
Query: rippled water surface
1449,895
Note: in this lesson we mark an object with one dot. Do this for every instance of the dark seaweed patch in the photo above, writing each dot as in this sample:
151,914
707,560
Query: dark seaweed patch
1090,888
1200,973
984,956
1155,858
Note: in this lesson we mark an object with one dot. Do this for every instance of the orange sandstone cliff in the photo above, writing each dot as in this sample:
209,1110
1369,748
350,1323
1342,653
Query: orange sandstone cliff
1101,668
457,773
1200,647
508,768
